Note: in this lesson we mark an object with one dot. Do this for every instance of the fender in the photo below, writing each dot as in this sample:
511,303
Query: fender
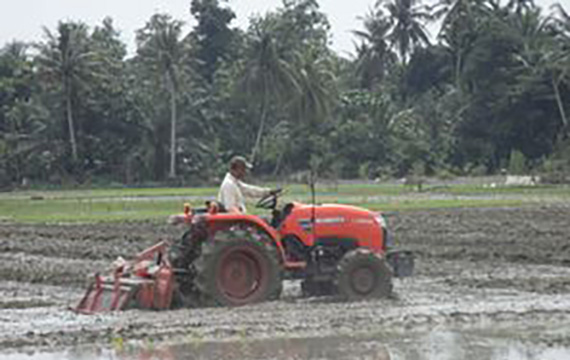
334,221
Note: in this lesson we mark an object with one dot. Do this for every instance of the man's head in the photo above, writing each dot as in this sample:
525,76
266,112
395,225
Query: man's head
239,166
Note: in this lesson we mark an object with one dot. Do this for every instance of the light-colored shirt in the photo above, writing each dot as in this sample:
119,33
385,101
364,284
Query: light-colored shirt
232,192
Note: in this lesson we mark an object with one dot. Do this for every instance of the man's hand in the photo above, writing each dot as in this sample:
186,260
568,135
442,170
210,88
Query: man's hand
276,191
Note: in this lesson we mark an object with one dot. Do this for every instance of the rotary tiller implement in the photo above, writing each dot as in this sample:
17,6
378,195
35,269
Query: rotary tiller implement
145,282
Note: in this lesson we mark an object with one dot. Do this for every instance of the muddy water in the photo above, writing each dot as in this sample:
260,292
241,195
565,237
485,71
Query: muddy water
474,344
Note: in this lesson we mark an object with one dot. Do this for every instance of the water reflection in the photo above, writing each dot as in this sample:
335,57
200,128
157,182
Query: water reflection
435,345
316,348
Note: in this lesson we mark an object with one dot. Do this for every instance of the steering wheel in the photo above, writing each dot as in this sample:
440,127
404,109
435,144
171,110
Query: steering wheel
269,201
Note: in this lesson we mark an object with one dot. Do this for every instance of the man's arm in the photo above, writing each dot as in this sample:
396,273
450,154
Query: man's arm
253,191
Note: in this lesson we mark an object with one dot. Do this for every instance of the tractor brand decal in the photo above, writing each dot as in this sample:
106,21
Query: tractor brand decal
330,220
306,223
363,221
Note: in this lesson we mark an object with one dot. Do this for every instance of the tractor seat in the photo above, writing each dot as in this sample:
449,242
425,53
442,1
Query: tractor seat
204,210
219,205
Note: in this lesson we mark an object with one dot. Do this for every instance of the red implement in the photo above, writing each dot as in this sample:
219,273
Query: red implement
145,283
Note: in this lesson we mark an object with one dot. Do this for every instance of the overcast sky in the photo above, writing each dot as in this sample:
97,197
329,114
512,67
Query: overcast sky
23,19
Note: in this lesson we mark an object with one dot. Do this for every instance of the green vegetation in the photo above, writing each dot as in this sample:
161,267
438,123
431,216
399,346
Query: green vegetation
490,90
156,204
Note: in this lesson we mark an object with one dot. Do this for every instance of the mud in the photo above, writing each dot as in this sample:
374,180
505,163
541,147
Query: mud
66,254
528,235
477,268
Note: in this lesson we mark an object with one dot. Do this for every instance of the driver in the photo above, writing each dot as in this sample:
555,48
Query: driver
233,189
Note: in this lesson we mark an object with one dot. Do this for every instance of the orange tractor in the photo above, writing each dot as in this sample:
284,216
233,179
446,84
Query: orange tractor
234,259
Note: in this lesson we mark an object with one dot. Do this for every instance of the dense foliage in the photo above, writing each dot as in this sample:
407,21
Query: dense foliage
491,87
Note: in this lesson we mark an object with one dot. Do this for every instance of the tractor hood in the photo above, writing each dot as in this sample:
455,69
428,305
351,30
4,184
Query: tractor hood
336,207
334,221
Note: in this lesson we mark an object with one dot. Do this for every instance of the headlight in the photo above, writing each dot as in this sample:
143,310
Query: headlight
381,220
388,238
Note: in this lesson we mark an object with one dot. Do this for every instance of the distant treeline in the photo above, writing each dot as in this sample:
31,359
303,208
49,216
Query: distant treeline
489,91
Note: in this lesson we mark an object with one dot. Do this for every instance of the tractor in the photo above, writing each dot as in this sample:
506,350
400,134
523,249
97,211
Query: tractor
233,259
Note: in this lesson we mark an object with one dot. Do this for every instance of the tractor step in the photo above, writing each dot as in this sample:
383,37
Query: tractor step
402,262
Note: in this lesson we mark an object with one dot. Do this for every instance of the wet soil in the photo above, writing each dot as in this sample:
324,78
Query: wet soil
487,268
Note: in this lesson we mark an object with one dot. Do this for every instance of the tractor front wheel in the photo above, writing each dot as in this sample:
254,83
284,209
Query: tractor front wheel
238,267
361,274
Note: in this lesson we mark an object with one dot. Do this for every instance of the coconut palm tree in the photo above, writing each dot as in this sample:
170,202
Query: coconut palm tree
562,22
268,75
542,55
160,49
519,6
312,106
316,80
22,119
408,29
373,53
459,19
66,59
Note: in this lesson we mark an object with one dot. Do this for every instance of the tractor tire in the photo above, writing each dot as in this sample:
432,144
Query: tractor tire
361,275
238,267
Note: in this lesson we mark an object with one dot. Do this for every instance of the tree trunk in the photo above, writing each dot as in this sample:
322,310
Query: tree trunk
172,172
260,130
70,123
158,157
559,102
278,165
458,70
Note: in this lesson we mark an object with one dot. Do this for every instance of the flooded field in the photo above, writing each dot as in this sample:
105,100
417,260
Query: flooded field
490,284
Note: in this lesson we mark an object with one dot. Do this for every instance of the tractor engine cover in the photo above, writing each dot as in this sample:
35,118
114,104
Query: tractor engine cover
334,221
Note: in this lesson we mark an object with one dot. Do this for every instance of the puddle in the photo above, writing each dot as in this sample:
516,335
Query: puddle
489,344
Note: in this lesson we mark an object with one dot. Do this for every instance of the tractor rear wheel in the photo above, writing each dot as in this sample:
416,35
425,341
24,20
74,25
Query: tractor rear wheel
238,267
361,274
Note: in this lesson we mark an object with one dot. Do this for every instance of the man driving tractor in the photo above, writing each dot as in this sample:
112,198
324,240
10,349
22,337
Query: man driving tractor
231,258
233,188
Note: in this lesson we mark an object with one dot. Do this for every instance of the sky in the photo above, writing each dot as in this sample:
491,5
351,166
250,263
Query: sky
24,19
